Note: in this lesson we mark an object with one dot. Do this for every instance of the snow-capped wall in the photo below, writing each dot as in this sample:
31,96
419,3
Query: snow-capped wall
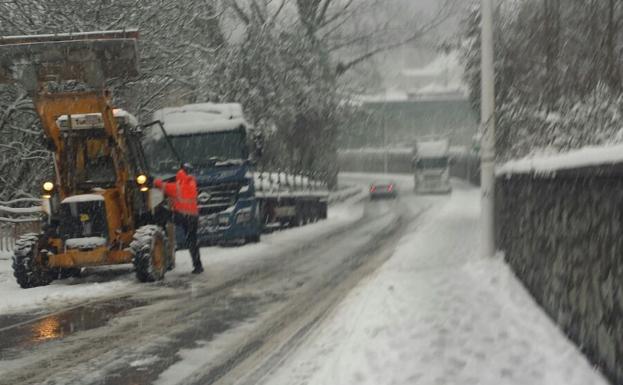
552,163
563,235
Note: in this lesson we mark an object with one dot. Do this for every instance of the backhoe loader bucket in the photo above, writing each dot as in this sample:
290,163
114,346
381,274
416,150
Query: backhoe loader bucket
90,58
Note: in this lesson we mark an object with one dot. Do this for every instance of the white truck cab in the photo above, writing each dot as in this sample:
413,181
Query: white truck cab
431,166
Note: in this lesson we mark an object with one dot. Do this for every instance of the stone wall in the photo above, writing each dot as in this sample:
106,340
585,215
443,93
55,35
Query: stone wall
563,236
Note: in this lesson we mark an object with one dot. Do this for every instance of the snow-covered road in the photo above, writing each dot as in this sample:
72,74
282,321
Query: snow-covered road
436,313
387,292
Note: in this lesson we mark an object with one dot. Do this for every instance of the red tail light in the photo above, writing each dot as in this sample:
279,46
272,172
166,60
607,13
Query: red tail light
372,188
390,188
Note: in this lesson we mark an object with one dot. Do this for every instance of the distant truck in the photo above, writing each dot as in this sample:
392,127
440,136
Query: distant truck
431,166
235,202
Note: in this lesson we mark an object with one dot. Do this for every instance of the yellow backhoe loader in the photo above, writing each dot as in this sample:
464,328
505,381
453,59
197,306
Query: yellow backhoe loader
99,205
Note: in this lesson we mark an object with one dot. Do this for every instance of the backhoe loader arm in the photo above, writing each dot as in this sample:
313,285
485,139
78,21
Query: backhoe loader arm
66,75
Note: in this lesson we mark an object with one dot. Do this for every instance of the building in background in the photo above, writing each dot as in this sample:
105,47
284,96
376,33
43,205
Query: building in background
431,101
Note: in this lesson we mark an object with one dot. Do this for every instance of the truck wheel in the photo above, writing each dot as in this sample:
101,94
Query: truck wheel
255,238
69,273
25,267
299,220
150,248
323,210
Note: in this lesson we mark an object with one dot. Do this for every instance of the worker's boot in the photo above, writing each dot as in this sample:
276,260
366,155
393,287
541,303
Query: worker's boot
197,264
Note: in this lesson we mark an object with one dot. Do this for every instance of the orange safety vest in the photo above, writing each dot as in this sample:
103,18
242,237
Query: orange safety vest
182,193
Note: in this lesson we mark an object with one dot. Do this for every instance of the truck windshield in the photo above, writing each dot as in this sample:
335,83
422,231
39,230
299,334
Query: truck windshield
428,163
204,149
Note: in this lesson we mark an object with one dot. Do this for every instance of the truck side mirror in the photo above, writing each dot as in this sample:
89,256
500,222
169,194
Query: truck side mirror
258,145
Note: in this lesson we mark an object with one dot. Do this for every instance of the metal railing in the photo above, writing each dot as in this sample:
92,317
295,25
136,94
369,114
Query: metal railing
18,217
287,182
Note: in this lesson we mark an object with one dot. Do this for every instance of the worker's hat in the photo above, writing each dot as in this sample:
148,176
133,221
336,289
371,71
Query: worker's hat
187,167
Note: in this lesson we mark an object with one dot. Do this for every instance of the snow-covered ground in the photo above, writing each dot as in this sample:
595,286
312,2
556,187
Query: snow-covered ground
436,313
108,281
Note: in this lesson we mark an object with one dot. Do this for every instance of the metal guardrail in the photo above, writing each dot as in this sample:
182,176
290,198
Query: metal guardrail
16,221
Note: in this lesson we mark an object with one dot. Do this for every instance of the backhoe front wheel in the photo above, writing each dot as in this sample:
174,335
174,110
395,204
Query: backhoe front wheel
151,253
28,271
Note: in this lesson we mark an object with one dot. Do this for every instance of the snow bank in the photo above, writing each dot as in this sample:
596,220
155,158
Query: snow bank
547,164
435,313
59,293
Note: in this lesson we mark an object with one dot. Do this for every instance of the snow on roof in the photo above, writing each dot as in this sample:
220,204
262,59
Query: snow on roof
83,198
546,164
95,120
444,75
85,243
438,67
377,150
390,95
438,88
131,119
432,148
201,118
78,35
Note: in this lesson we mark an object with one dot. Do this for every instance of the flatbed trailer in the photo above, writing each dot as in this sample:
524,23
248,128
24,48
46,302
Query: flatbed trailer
292,201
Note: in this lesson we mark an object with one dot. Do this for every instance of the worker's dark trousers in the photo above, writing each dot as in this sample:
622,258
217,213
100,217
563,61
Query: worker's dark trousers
190,225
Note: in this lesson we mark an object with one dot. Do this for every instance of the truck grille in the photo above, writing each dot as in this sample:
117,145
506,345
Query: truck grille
215,198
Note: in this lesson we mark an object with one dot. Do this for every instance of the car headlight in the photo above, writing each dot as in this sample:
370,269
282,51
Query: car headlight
141,179
243,216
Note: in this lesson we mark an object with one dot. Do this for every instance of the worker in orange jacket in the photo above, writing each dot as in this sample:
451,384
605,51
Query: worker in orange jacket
183,197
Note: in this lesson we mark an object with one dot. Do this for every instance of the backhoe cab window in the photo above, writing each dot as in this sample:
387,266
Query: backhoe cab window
83,219
92,162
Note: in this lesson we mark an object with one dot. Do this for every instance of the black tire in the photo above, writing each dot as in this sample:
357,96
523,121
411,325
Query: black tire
69,273
26,270
150,249
313,212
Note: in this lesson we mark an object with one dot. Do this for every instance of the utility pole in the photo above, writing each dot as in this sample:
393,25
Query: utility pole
385,144
487,148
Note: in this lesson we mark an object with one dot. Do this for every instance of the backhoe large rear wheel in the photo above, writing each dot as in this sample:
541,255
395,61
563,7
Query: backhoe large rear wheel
151,253
27,270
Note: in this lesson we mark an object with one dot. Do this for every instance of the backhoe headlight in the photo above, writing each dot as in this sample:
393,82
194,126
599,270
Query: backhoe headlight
144,189
141,179
48,187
